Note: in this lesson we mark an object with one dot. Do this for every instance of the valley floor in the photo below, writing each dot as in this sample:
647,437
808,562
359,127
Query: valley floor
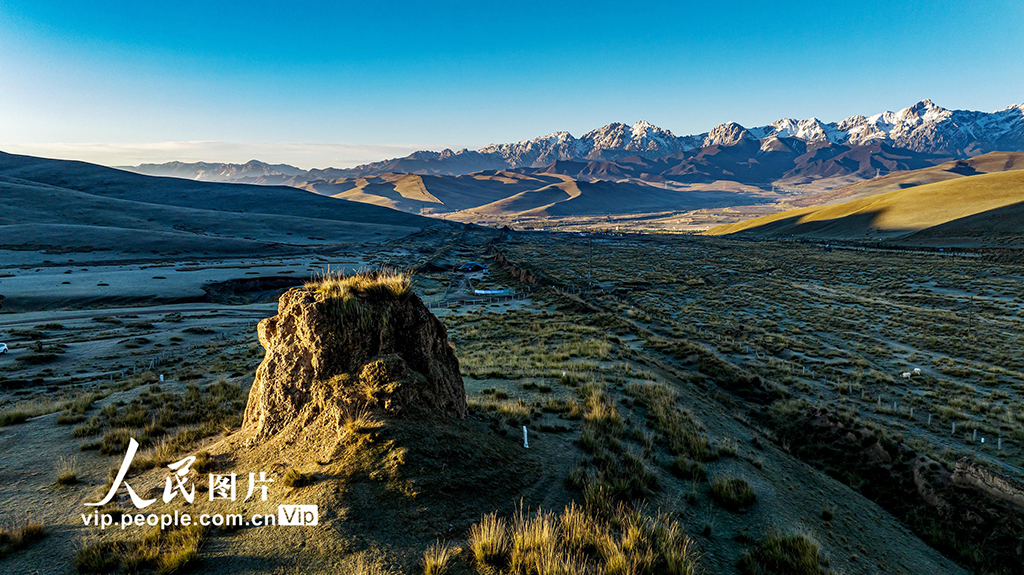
654,372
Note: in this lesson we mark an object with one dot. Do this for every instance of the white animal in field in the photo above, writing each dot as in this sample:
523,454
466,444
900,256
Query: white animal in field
917,371
906,375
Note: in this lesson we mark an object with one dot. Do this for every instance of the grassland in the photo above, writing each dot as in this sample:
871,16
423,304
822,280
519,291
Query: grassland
645,394
949,204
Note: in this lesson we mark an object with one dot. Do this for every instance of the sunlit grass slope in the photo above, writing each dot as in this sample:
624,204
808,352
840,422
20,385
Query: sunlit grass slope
901,212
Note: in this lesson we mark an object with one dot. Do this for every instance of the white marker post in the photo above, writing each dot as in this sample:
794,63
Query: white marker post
526,439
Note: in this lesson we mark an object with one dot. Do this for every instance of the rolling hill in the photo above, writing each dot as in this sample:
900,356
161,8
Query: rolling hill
503,194
970,210
70,206
983,164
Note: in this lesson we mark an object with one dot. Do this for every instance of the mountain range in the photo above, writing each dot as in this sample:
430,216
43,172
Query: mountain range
644,170
924,128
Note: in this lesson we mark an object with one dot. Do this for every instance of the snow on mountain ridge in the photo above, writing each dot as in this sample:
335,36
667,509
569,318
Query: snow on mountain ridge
923,127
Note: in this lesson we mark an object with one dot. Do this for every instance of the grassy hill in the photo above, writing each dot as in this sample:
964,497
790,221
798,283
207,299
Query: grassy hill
983,164
76,206
971,209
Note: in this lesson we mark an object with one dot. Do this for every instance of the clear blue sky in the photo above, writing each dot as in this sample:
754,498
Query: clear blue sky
313,85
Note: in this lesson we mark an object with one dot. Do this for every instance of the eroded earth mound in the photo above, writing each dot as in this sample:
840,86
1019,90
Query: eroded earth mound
347,344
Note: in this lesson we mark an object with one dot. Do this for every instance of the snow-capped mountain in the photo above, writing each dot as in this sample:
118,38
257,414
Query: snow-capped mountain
606,143
728,134
924,128
216,172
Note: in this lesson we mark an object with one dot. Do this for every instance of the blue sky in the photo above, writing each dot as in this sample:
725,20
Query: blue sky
298,82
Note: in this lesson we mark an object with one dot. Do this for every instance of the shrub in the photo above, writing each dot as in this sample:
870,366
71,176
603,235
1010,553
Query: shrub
37,358
733,494
203,463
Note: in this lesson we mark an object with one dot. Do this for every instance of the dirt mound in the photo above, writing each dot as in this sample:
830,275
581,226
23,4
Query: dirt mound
330,352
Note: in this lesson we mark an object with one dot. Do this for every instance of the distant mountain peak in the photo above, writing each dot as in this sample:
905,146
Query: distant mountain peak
727,134
923,127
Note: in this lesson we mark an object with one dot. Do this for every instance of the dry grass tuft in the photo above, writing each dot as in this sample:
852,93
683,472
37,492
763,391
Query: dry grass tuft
369,563
161,552
385,283
733,494
789,554
67,471
437,558
489,541
17,538
296,479
576,542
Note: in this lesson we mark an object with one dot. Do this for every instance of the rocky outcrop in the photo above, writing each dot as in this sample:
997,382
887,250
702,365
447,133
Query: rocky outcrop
330,354
969,473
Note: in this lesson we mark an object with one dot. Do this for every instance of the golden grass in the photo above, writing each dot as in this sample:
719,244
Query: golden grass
910,209
17,538
576,542
161,552
385,283
437,558
681,431
370,562
488,540
24,410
